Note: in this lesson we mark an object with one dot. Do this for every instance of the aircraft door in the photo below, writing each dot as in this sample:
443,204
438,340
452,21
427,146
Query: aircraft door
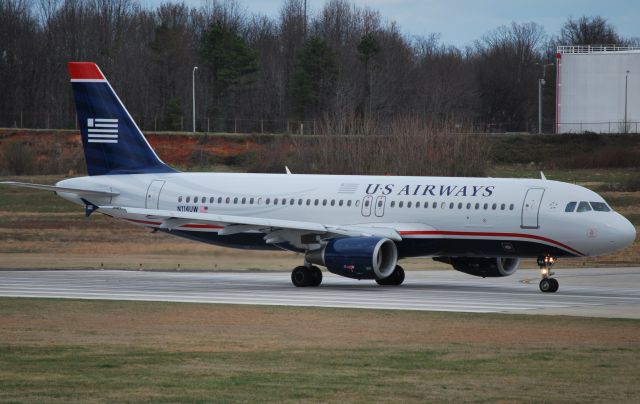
366,205
380,202
531,208
153,194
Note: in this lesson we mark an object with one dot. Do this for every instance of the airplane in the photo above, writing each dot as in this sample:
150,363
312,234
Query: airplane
355,226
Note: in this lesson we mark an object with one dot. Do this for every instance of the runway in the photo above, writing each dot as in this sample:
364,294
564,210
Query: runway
603,292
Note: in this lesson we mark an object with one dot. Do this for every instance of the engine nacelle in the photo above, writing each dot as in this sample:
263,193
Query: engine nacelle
484,267
357,257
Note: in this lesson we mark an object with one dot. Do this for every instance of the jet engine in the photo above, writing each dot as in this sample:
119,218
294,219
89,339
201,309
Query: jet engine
484,267
357,257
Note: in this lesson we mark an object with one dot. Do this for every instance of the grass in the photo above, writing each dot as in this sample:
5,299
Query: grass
68,350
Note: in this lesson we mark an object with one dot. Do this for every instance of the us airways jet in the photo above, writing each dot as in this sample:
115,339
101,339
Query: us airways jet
354,226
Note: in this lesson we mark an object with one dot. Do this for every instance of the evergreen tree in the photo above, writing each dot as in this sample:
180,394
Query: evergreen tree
313,81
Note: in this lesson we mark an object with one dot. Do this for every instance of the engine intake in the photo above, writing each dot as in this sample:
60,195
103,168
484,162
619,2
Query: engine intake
357,257
484,267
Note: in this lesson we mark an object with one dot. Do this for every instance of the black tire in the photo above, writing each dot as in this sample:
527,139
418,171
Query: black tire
555,285
316,276
545,285
300,277
395,279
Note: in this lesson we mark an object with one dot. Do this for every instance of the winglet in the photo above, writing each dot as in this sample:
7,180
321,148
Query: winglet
287,170
542,177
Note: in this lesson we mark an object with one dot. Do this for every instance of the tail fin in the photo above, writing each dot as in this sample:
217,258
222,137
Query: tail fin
113,143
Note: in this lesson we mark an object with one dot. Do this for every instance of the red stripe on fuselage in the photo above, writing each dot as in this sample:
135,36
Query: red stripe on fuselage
487,234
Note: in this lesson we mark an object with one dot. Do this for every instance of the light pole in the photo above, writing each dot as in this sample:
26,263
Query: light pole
193,90
626,87
541,83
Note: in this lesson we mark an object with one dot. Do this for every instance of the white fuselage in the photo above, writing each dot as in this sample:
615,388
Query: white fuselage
422,208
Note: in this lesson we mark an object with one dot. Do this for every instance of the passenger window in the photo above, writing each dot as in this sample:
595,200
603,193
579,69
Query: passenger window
451,205
211,199
219,199
494,206
267,201
511,207
426,205
409,204
244,200
340,202
179,199
477,206
324,202
195,199
357,203
400,204
188,199
235,200
502,206
299,201
204,199
571,206
459,205
333,202
379,204
393,204
435,205
583,207
486,206
417,204
308,202
468,205
292,201
227,200
600,207
275,201
316,202
443,205
251,201
349,202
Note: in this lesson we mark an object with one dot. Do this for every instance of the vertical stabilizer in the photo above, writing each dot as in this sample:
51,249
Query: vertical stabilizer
113,143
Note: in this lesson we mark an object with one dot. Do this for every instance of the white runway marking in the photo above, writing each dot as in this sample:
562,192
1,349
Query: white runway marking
587,292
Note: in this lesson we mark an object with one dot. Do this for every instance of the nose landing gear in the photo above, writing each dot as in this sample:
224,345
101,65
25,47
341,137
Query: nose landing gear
547,284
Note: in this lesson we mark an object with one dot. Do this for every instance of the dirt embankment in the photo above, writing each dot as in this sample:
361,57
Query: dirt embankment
60,151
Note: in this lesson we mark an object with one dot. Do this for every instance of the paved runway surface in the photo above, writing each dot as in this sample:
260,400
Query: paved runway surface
612,292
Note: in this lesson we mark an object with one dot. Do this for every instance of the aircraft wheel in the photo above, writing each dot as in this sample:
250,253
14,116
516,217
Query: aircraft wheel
554,285
545,285
301,276
395,279
316,276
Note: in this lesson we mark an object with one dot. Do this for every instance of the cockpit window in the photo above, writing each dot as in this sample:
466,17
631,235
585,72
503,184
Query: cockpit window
571,206
600,207
583,207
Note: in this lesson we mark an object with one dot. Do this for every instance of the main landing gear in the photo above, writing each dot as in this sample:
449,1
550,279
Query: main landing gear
306,276
395,279
547,284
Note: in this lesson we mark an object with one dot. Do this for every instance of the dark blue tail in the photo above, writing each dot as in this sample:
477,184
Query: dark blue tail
113,143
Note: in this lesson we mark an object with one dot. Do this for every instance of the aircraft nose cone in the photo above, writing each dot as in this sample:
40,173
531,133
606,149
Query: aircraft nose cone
625,232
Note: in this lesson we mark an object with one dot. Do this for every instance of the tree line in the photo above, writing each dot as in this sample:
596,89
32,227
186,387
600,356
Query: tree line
343,63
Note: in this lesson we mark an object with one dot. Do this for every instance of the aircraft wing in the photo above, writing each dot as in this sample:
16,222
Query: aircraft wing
54,188
231,224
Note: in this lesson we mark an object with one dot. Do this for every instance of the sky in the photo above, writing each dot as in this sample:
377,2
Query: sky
460,22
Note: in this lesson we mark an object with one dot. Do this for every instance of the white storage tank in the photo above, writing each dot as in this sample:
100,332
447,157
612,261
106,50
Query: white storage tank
593,86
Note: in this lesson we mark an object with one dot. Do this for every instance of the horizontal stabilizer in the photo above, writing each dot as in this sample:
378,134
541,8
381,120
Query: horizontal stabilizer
87,192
